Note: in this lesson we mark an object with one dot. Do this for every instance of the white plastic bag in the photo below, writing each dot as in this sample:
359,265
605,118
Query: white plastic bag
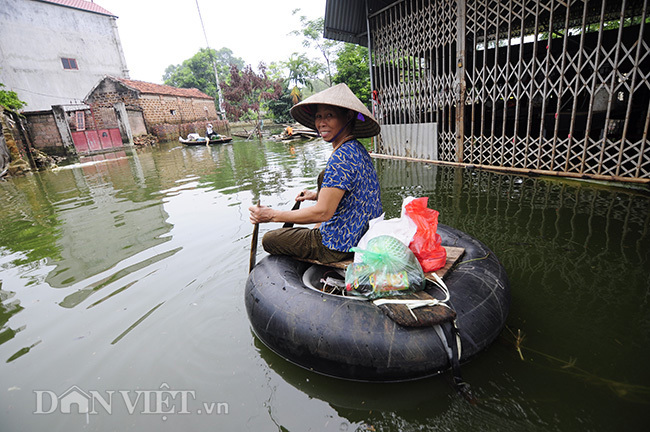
402,228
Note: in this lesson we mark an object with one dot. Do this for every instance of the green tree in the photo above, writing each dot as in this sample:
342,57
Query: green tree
276,70
301,72
248,90
197,72
279,108
312,33
9,99
352,69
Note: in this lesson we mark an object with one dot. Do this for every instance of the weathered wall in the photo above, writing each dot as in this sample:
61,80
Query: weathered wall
14,156
159,109
108,91
167,117
34,36
44,133
5,153
136,120
103,98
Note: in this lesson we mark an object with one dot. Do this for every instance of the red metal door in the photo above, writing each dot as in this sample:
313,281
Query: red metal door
80,141
94,140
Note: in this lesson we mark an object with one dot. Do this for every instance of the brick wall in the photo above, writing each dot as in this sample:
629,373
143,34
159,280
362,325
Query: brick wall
102,101
165,116
102,106
107,100
160,109
169,117
44,133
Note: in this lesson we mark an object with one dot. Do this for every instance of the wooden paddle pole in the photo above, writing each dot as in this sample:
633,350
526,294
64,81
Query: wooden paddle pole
256,232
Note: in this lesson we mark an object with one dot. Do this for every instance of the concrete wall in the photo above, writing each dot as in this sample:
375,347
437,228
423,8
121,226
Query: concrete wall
34,36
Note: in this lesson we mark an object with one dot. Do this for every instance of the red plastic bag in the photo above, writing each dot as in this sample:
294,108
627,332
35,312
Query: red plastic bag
426,242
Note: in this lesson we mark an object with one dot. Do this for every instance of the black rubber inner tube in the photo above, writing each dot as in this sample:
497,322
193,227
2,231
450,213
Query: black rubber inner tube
353,339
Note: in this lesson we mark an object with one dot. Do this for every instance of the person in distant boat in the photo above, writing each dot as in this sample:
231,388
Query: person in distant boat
210,132
349,196
289,131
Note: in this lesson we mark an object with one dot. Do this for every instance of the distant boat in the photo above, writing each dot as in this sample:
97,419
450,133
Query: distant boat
203,141
296,134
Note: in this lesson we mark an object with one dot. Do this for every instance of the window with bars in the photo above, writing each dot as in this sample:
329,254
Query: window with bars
69,63
81,120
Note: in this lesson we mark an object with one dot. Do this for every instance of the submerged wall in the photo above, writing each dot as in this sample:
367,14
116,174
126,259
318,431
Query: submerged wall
14,150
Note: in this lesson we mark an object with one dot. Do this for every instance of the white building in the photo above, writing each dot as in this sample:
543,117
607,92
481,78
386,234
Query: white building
53,51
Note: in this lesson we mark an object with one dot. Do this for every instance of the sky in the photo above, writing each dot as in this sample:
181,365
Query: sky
158,33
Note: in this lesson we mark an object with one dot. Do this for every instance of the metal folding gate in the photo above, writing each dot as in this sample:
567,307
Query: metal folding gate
547,86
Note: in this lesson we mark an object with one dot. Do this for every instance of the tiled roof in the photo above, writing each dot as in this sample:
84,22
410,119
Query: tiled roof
151,88
81,4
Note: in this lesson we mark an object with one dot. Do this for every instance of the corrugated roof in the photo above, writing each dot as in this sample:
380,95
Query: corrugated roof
345,20
88,6
160,89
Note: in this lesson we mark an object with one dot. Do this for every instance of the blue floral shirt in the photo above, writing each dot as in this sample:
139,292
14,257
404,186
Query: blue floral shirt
350,168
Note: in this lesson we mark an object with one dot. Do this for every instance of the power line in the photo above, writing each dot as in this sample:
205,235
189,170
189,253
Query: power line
37,93
214,64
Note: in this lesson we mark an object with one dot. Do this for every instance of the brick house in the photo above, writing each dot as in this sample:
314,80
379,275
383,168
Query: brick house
165,111
73,129
116,110
53,51
44,132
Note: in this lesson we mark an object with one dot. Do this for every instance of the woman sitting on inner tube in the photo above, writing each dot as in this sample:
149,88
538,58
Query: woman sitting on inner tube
349,196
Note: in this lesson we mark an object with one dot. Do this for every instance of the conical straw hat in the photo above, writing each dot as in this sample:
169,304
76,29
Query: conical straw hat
339,95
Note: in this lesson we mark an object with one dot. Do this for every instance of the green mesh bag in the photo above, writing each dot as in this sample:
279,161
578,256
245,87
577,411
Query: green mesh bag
387,268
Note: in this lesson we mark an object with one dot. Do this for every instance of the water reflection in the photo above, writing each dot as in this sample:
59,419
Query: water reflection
80,295
112,220
563,227
426,404
578,258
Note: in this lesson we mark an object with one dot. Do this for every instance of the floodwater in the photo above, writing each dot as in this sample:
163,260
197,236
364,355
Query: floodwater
122,279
